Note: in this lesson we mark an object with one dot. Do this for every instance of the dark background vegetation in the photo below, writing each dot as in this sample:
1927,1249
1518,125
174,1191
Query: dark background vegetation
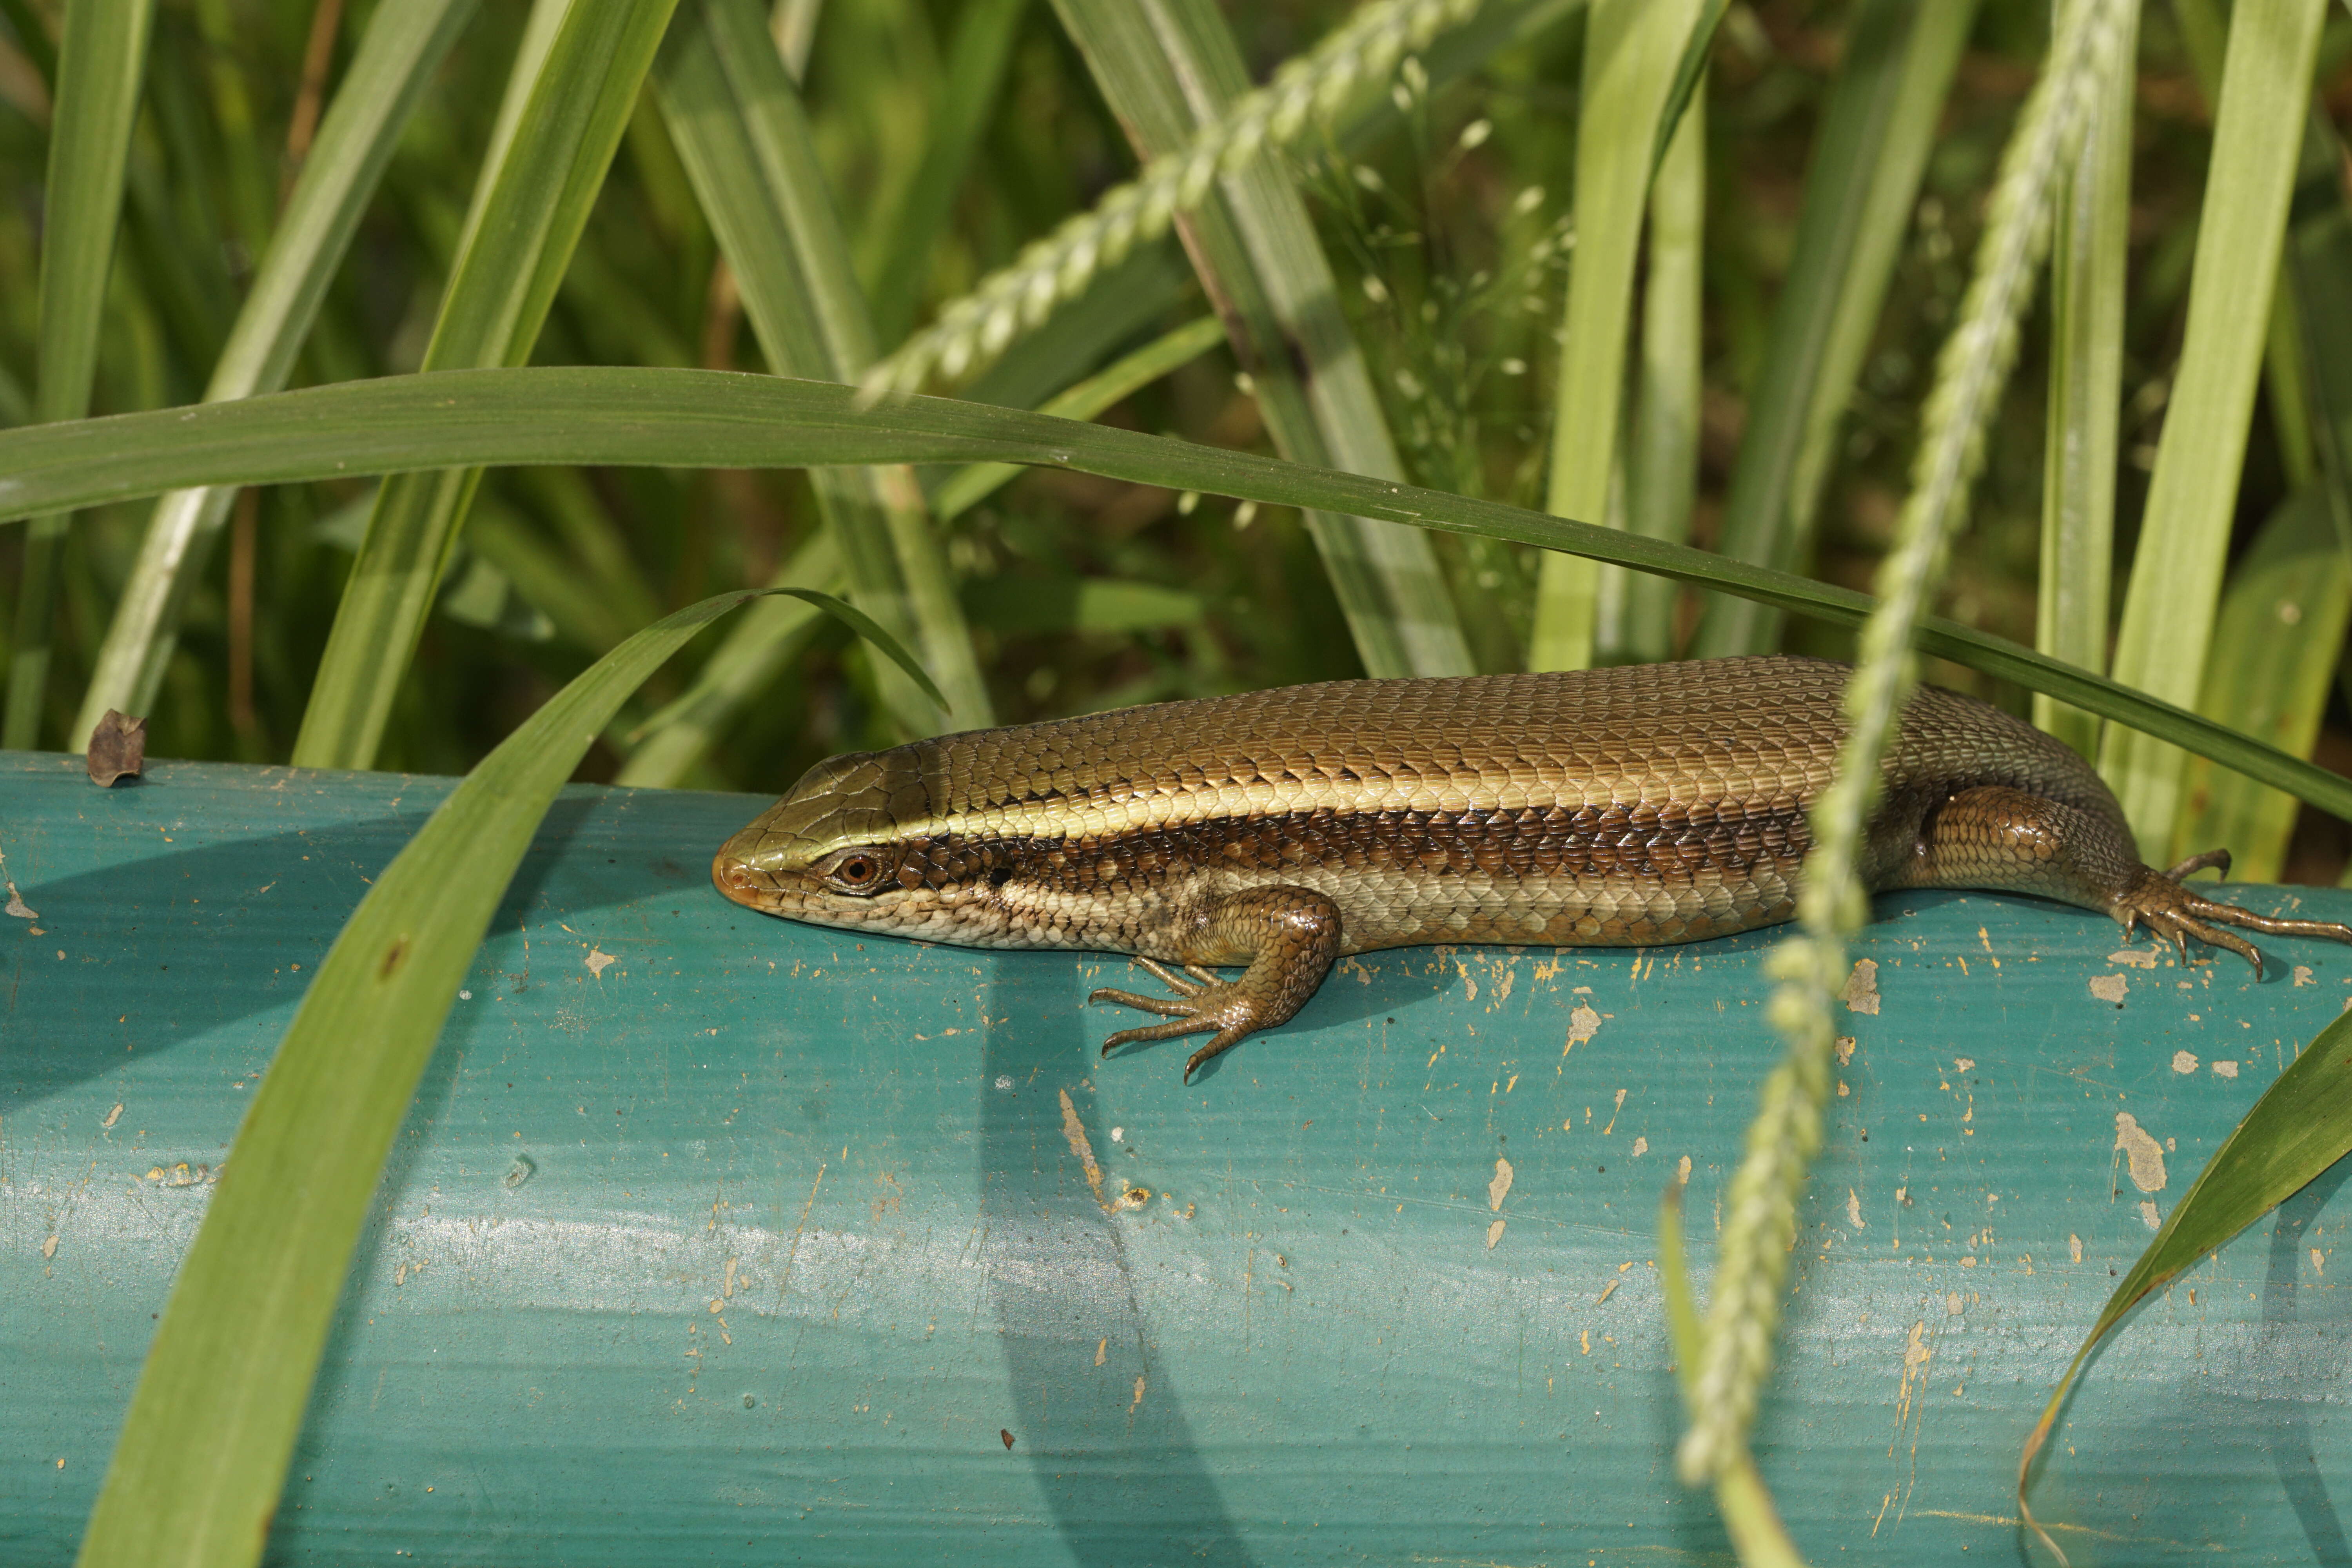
1466,273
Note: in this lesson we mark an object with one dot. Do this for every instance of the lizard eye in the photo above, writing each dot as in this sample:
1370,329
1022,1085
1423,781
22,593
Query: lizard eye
855,871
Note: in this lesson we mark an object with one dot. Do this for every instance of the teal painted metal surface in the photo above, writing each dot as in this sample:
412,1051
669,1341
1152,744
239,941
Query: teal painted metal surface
717,1240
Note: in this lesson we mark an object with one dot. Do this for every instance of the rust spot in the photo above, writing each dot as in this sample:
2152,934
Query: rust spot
1006,1435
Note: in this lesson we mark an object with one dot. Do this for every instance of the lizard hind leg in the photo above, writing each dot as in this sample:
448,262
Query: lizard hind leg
2175,911
2014,840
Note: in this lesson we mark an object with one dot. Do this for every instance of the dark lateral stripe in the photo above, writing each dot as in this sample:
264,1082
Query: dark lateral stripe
1615,844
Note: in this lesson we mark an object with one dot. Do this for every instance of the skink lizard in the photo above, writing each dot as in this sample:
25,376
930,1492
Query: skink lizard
1625,808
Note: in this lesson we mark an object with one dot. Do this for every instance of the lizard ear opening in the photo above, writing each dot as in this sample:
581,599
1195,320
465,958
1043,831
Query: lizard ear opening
861,871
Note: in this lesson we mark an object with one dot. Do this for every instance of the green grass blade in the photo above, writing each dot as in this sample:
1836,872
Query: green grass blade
2319,273
520,237
2301,1125
1171,69
1637,611
967,487
101,61
1633,49
2204,35
744,139
975,76
2276,647
2176,577
240,1340
757,646
395,62
686,418
1690,72
2088,248
1860,189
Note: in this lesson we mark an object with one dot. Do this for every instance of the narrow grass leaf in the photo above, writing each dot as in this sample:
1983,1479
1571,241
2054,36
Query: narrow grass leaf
241,1337
1689,72
686,418
1860,190
2176,577
665,749
982,47
1172,70
967,487
744,139
2276,644
1633,49
101,61
534,199
395,63
2301,1126
1637,610
2088,248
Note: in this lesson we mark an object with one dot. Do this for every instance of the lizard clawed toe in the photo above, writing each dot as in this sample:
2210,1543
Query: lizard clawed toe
2175,913
1203,1003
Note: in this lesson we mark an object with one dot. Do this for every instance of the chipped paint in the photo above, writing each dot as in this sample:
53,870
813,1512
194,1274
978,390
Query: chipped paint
2136,957
2225,1069
1853,1209
2109,988
1861,994
1500,1187
2183,1062
2149,1216
598,961
2143,1153
1494,1234
1582,1025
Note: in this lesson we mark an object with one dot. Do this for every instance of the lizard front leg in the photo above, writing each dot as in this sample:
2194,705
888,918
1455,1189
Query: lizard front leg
1287,937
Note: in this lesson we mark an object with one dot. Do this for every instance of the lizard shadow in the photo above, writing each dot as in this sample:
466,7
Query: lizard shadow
1108,1442
2287,1432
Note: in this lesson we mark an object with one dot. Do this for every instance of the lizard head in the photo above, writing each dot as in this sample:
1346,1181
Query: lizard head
833,850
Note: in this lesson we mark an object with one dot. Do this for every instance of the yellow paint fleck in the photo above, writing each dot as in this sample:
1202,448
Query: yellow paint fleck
1584,1342
49,1247
1613,1114
1500,1187
1102,1348
1853,1209
2145,1155
1843,1090
1682,1171
1606,1291
1138,1394
2073,1247
1861,994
